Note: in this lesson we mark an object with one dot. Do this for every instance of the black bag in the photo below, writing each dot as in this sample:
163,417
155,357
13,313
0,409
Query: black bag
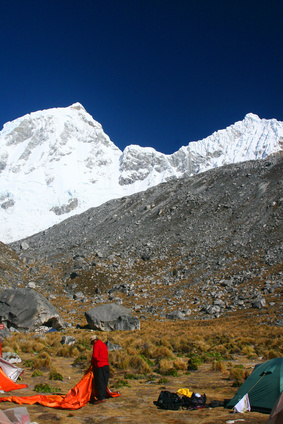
168,400
196,401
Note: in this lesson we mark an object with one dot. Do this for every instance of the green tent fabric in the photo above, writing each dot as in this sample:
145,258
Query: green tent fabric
263,386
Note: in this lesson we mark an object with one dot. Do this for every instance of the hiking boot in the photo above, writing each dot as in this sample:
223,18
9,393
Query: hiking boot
96,402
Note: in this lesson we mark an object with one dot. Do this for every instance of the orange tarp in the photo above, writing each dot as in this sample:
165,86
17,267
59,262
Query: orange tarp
77,397
7,384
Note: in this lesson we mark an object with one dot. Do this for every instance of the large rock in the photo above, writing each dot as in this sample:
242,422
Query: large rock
4,333
25,309
111,317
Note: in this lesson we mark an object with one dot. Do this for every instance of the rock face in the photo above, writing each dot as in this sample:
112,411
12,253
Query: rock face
25,309
111,317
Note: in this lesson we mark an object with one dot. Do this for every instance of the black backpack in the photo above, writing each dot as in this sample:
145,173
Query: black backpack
168,400
196,401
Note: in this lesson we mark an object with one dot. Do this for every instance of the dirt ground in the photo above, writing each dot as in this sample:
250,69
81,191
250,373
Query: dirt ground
135,405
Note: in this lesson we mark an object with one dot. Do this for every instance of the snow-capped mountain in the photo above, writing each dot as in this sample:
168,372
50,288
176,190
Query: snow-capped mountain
59,162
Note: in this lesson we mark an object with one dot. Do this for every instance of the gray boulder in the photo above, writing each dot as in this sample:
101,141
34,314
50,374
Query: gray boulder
68,340
112,346
259,303
111,317
175,315
11,357
25,309
4,333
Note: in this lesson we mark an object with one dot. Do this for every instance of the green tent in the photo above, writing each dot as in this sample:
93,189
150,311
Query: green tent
263,386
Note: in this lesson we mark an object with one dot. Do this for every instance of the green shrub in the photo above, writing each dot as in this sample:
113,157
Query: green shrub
163,380
172,372
54,375
37,373
45,388
121,383
194,362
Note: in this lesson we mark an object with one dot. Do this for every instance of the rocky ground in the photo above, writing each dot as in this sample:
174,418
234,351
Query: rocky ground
191,248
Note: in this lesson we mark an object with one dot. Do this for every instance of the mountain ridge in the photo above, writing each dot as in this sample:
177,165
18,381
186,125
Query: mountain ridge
59,162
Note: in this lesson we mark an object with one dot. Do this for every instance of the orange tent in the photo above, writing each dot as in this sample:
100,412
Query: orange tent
7,384
77,397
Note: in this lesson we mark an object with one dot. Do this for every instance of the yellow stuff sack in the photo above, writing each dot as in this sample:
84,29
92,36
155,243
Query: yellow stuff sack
185,392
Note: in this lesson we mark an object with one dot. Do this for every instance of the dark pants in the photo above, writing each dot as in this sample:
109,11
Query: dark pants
101,377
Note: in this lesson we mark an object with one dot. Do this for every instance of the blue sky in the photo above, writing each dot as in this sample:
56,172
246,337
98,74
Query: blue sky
157,73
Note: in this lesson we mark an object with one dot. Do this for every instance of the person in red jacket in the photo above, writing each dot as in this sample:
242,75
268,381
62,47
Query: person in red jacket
100,368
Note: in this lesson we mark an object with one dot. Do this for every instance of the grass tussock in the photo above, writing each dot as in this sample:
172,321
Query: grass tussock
32,346
67,351
139,364
119,360
41,362
82,361
162,352
238,375
273,353
180,364
219,366
177,347
165,366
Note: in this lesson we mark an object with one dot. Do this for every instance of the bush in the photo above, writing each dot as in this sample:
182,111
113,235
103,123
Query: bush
129,376
120,383
54,375
37,373
172,372
45,388
194,362
163,380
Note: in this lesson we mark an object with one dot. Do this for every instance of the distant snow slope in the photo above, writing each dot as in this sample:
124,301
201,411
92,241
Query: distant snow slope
59,162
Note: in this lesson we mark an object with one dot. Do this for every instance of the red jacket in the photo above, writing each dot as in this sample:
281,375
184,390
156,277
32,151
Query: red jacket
100,354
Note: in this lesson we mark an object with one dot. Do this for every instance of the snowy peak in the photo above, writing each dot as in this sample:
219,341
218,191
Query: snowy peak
47,136
59,162
250,139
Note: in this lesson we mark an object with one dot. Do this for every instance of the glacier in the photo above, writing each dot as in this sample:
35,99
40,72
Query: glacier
59,162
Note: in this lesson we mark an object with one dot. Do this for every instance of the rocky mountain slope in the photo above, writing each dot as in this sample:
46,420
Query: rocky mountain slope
59,162
195,247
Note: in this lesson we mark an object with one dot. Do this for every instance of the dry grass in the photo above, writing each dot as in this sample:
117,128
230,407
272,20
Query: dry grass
180,364
42,362
160,346
165,365
150,358
219,366
68,351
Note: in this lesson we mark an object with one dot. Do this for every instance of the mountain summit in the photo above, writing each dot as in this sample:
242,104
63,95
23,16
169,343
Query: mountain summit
59,162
